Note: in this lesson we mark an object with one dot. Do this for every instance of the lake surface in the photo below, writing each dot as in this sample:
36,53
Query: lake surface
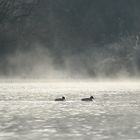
28,111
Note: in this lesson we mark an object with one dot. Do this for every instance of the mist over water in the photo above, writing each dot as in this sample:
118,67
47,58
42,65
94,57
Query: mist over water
77,39
93,63
76,49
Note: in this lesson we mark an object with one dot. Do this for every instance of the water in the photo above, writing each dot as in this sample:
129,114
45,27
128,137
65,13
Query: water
28,111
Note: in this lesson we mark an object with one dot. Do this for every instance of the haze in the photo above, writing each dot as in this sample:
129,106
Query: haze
62,39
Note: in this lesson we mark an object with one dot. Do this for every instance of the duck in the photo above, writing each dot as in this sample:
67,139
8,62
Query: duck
60,99
88,99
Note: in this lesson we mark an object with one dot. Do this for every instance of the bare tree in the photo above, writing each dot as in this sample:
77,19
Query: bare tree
12,10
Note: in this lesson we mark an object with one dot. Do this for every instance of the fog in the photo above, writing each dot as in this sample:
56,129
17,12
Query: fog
40,62
70,40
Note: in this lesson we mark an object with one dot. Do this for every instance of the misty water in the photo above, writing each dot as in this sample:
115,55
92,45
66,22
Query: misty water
28,111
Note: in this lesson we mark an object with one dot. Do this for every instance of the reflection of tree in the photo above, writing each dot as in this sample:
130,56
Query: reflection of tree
16,9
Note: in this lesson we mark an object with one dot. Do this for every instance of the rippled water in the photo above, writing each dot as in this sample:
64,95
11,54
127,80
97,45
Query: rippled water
28,111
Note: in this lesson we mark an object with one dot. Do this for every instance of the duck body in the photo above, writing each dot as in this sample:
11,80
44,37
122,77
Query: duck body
60,99
88,99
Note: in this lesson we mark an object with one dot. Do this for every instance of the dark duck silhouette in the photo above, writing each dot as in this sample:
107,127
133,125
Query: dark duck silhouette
60,99
88,99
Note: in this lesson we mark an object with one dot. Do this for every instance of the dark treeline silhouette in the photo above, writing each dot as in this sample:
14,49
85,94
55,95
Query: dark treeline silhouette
12,18
15,9
102,35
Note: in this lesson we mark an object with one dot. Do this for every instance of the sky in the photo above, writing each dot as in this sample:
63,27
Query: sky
70,39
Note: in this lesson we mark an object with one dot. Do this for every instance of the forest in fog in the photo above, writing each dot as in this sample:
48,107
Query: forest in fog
69,38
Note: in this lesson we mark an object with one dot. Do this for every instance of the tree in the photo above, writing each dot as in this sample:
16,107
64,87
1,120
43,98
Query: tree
12,10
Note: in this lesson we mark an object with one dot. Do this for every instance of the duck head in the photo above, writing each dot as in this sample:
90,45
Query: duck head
63,98
91,97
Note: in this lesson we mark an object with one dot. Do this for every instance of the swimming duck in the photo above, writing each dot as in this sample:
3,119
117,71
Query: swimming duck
88,99
60,99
